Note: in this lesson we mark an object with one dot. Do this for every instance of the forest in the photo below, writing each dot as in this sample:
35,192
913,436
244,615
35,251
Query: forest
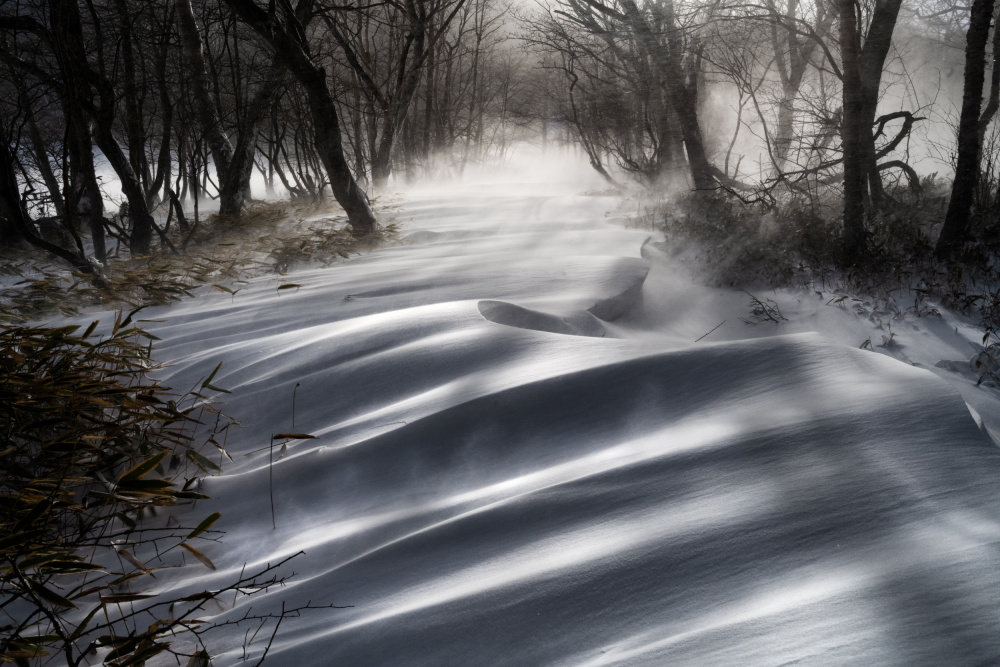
459,332
789,106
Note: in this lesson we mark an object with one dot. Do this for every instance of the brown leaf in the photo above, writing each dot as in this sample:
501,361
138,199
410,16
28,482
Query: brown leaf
199,555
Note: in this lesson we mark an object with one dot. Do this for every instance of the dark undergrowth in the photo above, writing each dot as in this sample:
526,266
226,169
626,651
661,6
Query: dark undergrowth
798,242
92,449
95,459
222,252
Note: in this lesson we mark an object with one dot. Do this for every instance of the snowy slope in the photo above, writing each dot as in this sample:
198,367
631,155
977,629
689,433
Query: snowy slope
502,476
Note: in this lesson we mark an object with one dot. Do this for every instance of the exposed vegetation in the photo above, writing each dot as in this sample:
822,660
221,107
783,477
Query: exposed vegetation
91,449
798,243
223,251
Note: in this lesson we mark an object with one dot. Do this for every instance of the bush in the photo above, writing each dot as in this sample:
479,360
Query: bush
737,243
91,448
799,239
267,238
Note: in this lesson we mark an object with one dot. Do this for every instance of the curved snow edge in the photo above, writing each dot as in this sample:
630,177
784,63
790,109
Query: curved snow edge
580,323
614,307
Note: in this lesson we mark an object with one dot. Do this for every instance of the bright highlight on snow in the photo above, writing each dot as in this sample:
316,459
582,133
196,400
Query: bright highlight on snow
523,457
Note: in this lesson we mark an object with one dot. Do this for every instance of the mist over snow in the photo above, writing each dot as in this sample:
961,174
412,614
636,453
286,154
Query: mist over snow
524,457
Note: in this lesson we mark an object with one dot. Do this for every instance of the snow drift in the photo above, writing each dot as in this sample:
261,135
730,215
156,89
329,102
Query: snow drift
504,475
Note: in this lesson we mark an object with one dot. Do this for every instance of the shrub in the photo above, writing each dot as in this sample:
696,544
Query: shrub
267,238
90,448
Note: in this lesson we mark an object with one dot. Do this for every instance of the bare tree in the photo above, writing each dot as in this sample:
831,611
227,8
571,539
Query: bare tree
970,132
412,29
851,134
286,32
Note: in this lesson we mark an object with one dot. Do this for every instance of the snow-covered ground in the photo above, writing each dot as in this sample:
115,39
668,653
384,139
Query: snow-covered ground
523,457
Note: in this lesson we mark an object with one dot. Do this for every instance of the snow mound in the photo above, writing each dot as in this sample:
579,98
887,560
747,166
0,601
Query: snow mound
428,236
485,494
610,309
744,503
630,275
512,315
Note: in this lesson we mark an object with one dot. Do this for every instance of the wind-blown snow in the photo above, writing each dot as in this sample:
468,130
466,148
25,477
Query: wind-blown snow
504,476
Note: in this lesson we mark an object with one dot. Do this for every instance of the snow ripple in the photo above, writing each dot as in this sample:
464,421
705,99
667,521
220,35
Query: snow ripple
486,490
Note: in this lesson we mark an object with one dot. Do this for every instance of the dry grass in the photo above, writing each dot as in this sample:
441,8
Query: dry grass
90,447
268,238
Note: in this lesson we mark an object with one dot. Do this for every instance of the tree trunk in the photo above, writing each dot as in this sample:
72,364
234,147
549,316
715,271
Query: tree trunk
395,113
792,73
235,188
686,104
84,158
67,41
208,107
430,104
785,131
17,219
871,64
130,91
40,154
293,52
956,222
326,127
11,211
142,221
683,94
81,110
357,141
854,212
994,101
382,160
162,177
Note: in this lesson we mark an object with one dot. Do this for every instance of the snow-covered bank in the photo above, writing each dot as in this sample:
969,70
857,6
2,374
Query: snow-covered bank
501,477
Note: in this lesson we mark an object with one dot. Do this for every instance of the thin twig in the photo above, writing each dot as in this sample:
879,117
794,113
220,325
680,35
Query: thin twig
273,635
270,483
716,327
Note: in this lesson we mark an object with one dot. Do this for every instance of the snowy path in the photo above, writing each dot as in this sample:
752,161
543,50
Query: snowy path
500,477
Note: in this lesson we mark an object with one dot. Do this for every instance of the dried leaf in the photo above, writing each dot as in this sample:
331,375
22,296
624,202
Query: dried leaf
199,555
49,595
135,561
199,659
202,461
208,381
204,525
143,468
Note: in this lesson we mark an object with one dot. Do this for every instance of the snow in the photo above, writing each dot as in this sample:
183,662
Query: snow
523,457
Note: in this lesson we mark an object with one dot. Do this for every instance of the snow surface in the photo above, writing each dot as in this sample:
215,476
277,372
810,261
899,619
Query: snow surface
523,457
